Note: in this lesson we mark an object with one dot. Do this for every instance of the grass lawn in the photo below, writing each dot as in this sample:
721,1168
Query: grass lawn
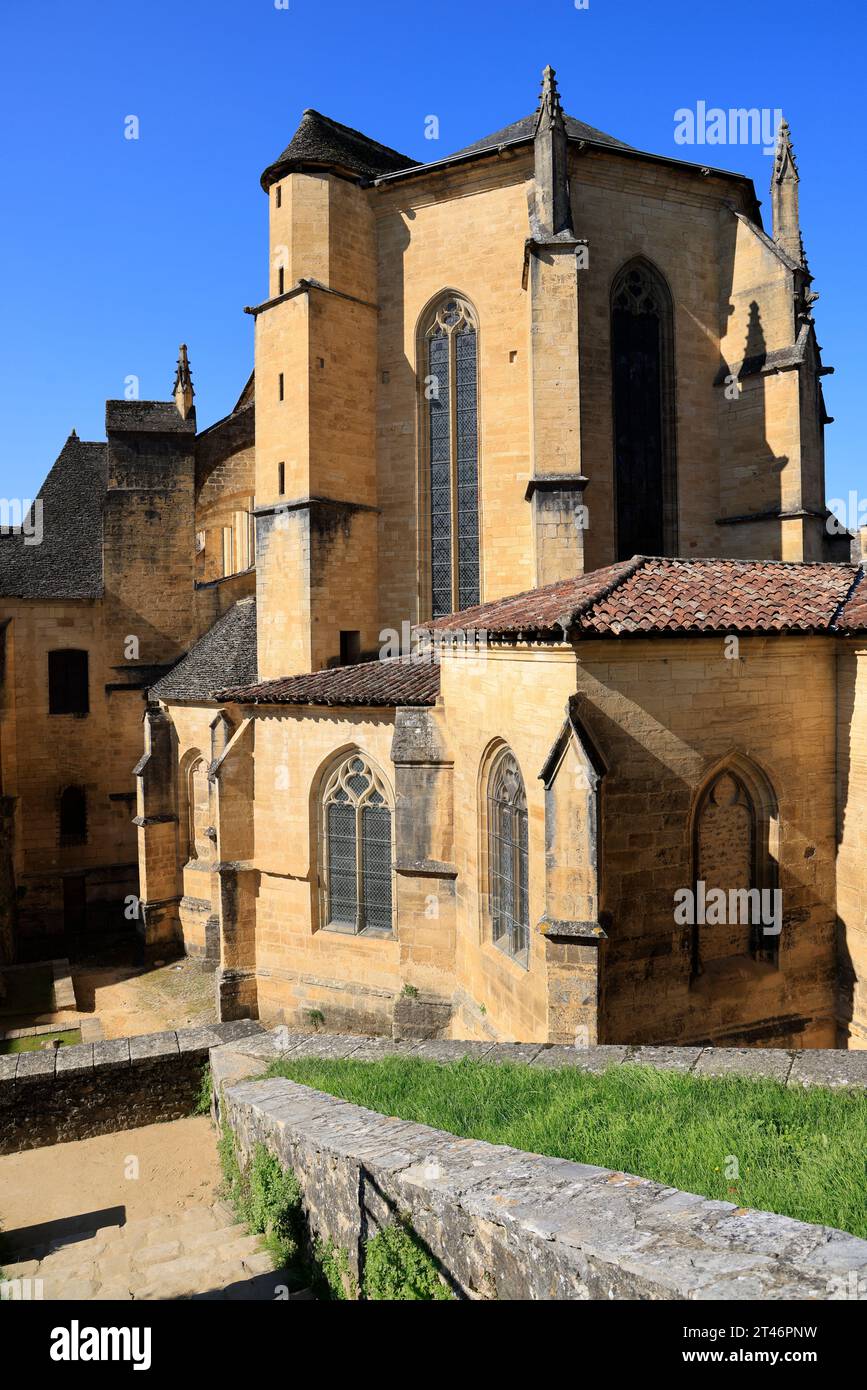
37,1041
799,1152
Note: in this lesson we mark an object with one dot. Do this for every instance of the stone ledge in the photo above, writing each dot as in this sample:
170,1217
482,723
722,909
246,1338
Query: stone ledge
510,1225
815,1067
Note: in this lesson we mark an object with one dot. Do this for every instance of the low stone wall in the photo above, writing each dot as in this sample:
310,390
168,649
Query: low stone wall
50,1097
808,1067
505,1224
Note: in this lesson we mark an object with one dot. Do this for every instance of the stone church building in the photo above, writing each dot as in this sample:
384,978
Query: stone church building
501,609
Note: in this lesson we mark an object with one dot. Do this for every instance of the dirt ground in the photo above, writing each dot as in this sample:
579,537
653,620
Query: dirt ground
177,1166
130,1001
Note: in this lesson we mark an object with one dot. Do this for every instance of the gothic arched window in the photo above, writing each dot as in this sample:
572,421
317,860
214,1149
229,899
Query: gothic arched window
507,857
644,413
450,397
355,848
198,808
735,838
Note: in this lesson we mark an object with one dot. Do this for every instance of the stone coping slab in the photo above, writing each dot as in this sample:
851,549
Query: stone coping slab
82,1057
831,1067
501,1223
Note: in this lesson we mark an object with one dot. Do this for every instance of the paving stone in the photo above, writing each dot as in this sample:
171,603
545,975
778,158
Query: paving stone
774,1062
261,1262
212,1240
137,1230
155,1254
69,1290
240,1247
679,1059
153,1045
111,1052
593,1059
40,1063
832,1067
512,1052
9,1066
74,1059
25,1269
448,1050
327,1045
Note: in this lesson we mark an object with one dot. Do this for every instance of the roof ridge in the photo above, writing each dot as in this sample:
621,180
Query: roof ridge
857,579
630,567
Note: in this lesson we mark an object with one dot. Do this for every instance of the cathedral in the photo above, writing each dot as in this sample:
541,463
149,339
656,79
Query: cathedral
501,613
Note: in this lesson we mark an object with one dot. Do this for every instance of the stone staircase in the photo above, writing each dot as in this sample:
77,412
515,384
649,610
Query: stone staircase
198,1253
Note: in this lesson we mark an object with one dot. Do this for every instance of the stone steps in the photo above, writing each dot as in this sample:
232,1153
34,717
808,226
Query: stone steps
200,1252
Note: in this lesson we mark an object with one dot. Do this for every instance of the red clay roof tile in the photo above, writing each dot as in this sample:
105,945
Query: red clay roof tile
387,683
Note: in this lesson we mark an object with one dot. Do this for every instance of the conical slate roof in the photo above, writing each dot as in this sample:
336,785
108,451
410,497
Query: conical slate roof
320,142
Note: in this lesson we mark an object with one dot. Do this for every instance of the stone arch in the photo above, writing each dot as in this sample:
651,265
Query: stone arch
195,815
734,835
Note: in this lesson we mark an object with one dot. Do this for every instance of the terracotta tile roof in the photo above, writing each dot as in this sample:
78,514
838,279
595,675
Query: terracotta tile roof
853,615
646,595
549,609
387,683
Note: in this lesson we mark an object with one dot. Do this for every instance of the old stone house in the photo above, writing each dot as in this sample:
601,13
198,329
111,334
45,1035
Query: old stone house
549,624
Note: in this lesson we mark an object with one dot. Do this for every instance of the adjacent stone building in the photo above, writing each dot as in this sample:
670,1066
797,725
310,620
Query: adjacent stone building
549,623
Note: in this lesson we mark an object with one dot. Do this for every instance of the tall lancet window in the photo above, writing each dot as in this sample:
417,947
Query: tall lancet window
507,857
452,429
644,413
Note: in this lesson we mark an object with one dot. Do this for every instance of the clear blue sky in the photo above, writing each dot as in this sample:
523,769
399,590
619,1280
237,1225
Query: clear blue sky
113,251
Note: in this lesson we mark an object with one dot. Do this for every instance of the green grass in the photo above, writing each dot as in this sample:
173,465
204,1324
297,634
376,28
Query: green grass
799,1152
68,1038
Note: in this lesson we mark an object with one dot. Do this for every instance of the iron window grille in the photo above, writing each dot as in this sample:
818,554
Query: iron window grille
508,858
356,850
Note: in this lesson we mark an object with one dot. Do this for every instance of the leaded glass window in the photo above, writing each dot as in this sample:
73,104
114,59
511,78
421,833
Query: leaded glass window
507,857
355,850
644,413
451,399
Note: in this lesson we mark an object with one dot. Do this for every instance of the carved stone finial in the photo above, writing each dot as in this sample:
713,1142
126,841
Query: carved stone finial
784,197
183,387
785,164
553,213
550,109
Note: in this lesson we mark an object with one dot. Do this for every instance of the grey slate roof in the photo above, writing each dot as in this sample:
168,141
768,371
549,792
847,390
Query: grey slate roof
149,417
321,142
525,130
226,655
68,562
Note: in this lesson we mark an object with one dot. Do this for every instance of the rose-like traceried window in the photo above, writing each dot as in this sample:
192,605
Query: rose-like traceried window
356,848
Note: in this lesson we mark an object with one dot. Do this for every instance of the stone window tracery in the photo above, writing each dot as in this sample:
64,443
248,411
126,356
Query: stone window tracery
452,437
356,848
